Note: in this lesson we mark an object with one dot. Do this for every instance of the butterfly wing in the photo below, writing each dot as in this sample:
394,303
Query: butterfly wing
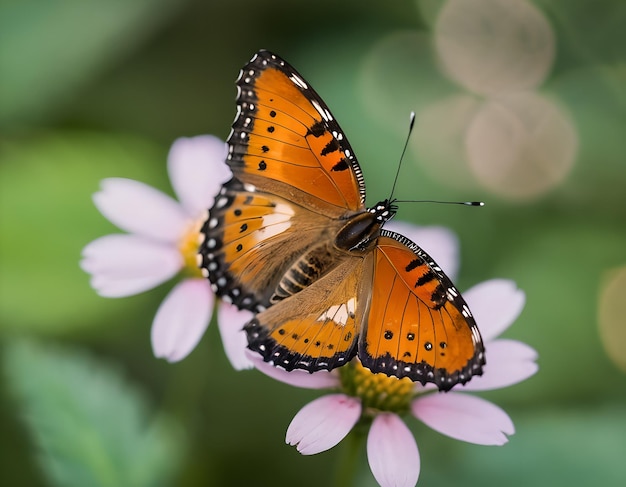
295,179
317,328
286,141
418,325
259,248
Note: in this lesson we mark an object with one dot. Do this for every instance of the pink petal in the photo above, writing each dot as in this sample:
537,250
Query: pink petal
323,423
495,305
138,208
464,417
122,265
197,169
508,362
392,452
182,319
439,242
230,321
298,378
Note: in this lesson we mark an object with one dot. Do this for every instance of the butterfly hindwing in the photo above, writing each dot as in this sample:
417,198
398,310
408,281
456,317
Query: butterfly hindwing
285,140
317,328
418,325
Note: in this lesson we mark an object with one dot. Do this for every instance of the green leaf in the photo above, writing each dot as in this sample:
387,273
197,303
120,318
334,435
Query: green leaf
90,426
50,49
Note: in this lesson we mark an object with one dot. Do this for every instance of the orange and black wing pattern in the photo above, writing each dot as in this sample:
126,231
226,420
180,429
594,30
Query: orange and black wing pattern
316,328
286,141
295,177
417,325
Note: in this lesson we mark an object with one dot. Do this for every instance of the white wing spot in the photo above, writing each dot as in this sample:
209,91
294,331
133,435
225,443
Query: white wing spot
339,313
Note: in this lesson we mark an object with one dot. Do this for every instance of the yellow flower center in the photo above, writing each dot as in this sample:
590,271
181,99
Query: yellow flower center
378,392
188,247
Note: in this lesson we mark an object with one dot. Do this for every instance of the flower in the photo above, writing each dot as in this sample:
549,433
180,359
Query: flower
161,242
361,397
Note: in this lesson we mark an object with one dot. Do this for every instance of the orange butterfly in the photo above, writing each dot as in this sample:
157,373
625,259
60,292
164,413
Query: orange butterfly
290,238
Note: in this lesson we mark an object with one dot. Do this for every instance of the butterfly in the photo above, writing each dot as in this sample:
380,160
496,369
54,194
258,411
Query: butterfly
289,237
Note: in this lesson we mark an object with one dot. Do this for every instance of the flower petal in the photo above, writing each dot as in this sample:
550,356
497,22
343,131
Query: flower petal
439,242
464,417
508,362
182,319
123,265
138,208
230,321
495,305
392,452
323,423
321,379
197,169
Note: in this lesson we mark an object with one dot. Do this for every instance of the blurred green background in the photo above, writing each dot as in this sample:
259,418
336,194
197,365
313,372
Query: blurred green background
520,104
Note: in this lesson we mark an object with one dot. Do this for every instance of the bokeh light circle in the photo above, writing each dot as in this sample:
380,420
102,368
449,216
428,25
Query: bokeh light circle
611,323
494,46
521,145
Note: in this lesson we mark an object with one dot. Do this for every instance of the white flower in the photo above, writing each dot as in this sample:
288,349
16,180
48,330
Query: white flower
391,448
161,242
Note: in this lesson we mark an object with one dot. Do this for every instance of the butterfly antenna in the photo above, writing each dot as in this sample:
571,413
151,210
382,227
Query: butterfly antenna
466,203
406,144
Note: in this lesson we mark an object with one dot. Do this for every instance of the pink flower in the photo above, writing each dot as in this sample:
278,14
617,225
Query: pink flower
161,242
391,448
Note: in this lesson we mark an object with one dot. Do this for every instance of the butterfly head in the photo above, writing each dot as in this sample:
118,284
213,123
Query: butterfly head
360,232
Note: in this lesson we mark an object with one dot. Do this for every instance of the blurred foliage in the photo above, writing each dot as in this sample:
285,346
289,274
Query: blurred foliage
98,89
89,427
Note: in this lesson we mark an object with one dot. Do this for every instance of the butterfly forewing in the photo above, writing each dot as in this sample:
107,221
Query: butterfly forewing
252,239
285,139
418,325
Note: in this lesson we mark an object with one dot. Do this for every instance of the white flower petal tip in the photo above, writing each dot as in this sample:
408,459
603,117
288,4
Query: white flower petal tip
495,305
123,265
392,452
323,423
138,208
182,319
321,379
197,168
464,417
230,321
508,362
440,243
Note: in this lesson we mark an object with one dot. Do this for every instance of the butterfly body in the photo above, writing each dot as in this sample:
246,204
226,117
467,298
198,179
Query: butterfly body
290,238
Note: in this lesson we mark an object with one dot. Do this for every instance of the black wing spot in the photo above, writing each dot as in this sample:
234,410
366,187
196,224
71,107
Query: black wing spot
342,165
332,146
272,113
262,166
243,228
317,129
410,336
428,346
271,129
388,335
425,278
265,148
413,264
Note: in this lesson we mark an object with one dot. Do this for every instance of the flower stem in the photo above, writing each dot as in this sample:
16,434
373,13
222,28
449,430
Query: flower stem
348,461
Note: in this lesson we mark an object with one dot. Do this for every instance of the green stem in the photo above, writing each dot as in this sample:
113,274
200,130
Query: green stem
348,461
